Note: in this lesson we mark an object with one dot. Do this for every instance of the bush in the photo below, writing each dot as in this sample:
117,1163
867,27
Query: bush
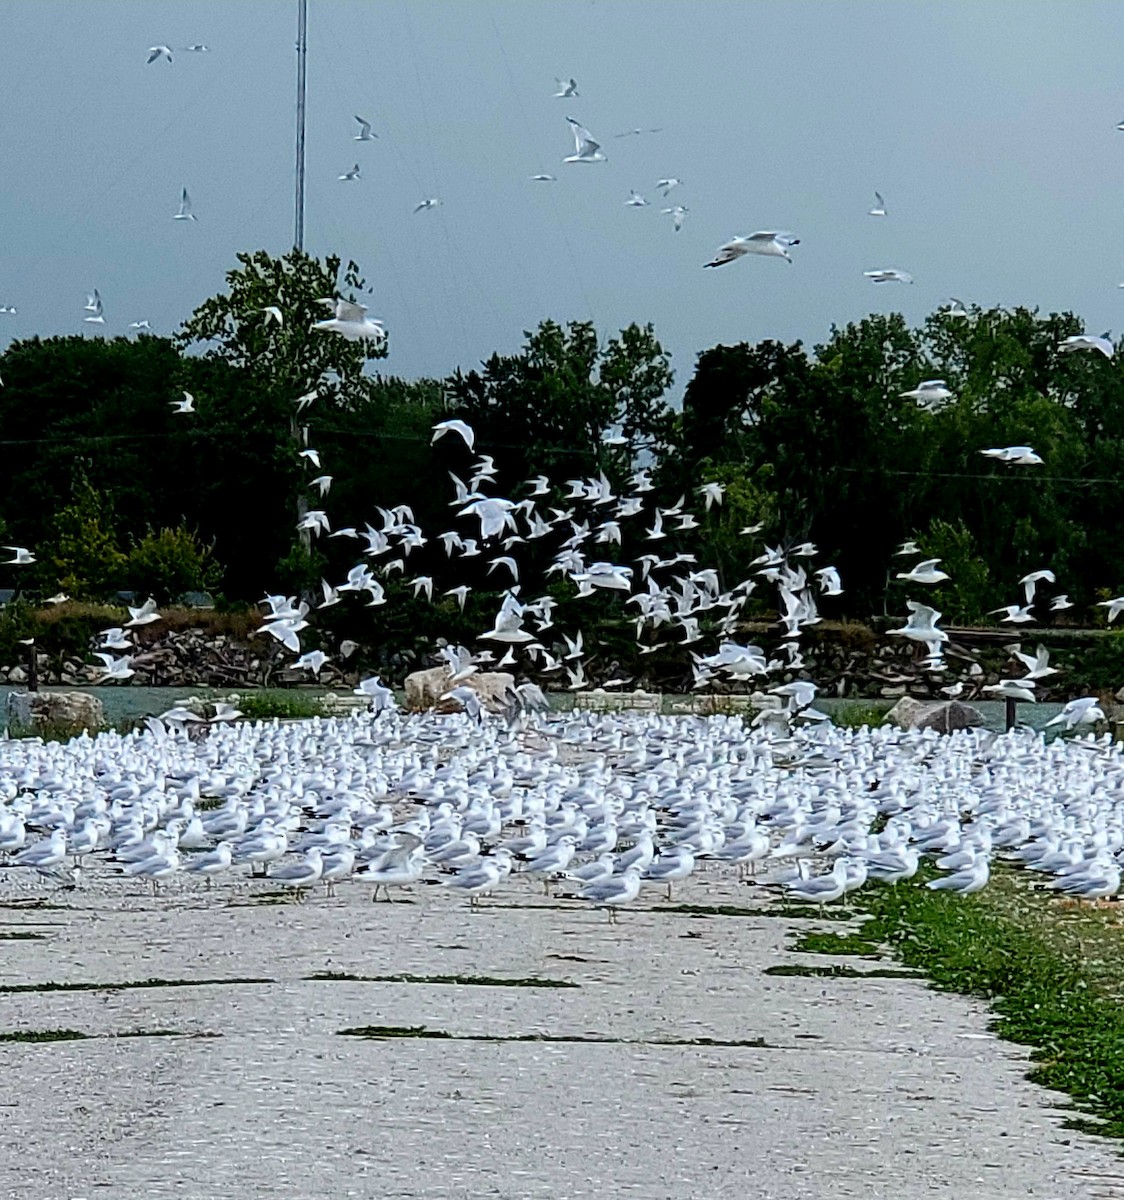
166,563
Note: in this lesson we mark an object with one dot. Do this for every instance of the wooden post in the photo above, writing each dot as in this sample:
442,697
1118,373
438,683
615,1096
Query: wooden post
1012,713
32,667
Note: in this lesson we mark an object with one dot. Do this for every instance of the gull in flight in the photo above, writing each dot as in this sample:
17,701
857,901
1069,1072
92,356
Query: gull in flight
665,185
350,176
23,557
144,615
567,88
186,405
185,213
586,149
351,322
1022,455
677,213
1013,614
93,305
928,392
115,668
198,48
773,245
924,572
1085,342
138,325
1030,582
155,52
958,308
879,209
313,457
1084,711
462,427
426,204
544,178
364,134
635,200
888,275
273,313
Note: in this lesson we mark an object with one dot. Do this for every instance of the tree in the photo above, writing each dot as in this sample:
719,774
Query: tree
166,563
83,558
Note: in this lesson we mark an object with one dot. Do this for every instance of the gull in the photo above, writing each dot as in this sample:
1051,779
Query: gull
198,48
423,583
586,149
1031,581
303,402
1024,455
1015,615
57,598
433,202
155,52
460,592
615,891
225,711
481,876
145,615
139,325
381,697
677,213
460,427
888,275
771,244
312,661
351,322
114,668
350,176
185,213
94,306
928,391
924,572
567,88
273,313
544,178
965,882
313,456
539,486
323,482
1085,342
364,134
186,405
1037,667
114,639
921,626
23,556
958,308
303,875
1115,607
635,200
1060,603
1083,711
713,493
665,185
879,209
907,548
830,583
214,862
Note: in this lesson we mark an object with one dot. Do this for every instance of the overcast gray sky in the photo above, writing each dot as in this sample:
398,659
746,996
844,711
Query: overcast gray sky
988,127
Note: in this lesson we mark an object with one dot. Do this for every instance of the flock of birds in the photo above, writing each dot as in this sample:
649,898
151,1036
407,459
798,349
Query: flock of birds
597,807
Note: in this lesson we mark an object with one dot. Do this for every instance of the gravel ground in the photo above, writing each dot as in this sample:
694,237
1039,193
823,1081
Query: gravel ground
862,1087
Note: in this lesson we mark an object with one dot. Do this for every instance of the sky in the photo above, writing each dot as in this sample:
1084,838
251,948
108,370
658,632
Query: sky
989,128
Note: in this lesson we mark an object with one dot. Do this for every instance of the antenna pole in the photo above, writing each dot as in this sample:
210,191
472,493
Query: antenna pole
302,54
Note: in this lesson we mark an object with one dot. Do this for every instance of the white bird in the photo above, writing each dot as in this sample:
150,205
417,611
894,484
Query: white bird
144,615
350,176
351,322
770,244
94,306
138,325
1083,711
425,205
186,405
1115,607
567,88
879,209
467,433
184,213
273,313
1085,342
1060,603
1013,689
888,275
665,185
1031,581
925,571
155,52
114,668
364,134
677,213
1014,614
1022,455
635,200
586,149
23,557
312,661
544,178
928,392
381,697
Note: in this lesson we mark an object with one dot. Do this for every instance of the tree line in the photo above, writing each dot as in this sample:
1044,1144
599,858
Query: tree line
112,489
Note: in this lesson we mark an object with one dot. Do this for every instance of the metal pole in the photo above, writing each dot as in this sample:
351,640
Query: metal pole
1012,713
302,55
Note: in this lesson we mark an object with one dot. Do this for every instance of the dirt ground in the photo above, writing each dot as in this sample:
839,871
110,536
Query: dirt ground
238,1089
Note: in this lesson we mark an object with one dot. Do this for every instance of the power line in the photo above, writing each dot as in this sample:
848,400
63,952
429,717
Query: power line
302,56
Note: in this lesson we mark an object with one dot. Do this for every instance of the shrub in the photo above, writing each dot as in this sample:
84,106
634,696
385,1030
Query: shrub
166,563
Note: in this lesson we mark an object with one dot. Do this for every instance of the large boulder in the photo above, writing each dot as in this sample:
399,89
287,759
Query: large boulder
424,689
945,716
54,712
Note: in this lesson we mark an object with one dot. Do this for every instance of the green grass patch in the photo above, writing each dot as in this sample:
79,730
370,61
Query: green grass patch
463,980
44,1035
267,704
838,971
425,1032
788,911
1052,972
838,943
20,935
18,989
853,715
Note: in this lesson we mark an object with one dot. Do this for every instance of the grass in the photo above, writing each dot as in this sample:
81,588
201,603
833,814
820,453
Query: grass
44,1035
18,989
1051,971
838,971
858,713
786,911
423,1031
269,703
463,980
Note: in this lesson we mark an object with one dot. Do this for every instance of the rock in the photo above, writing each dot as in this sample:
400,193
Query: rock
889,690
17,675
39,712
424,689
943,716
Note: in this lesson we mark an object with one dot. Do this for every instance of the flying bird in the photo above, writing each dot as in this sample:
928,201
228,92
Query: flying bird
351,322
364,134
544,178
94,306
635,200
186,405
461,427
586,149
425,205
888,275
677,213
1085,342
185,213
879,209
155,52
567,88
665,185
770,244
350,176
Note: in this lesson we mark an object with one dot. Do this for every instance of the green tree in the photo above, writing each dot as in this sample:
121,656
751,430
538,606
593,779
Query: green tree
166,563
83,557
